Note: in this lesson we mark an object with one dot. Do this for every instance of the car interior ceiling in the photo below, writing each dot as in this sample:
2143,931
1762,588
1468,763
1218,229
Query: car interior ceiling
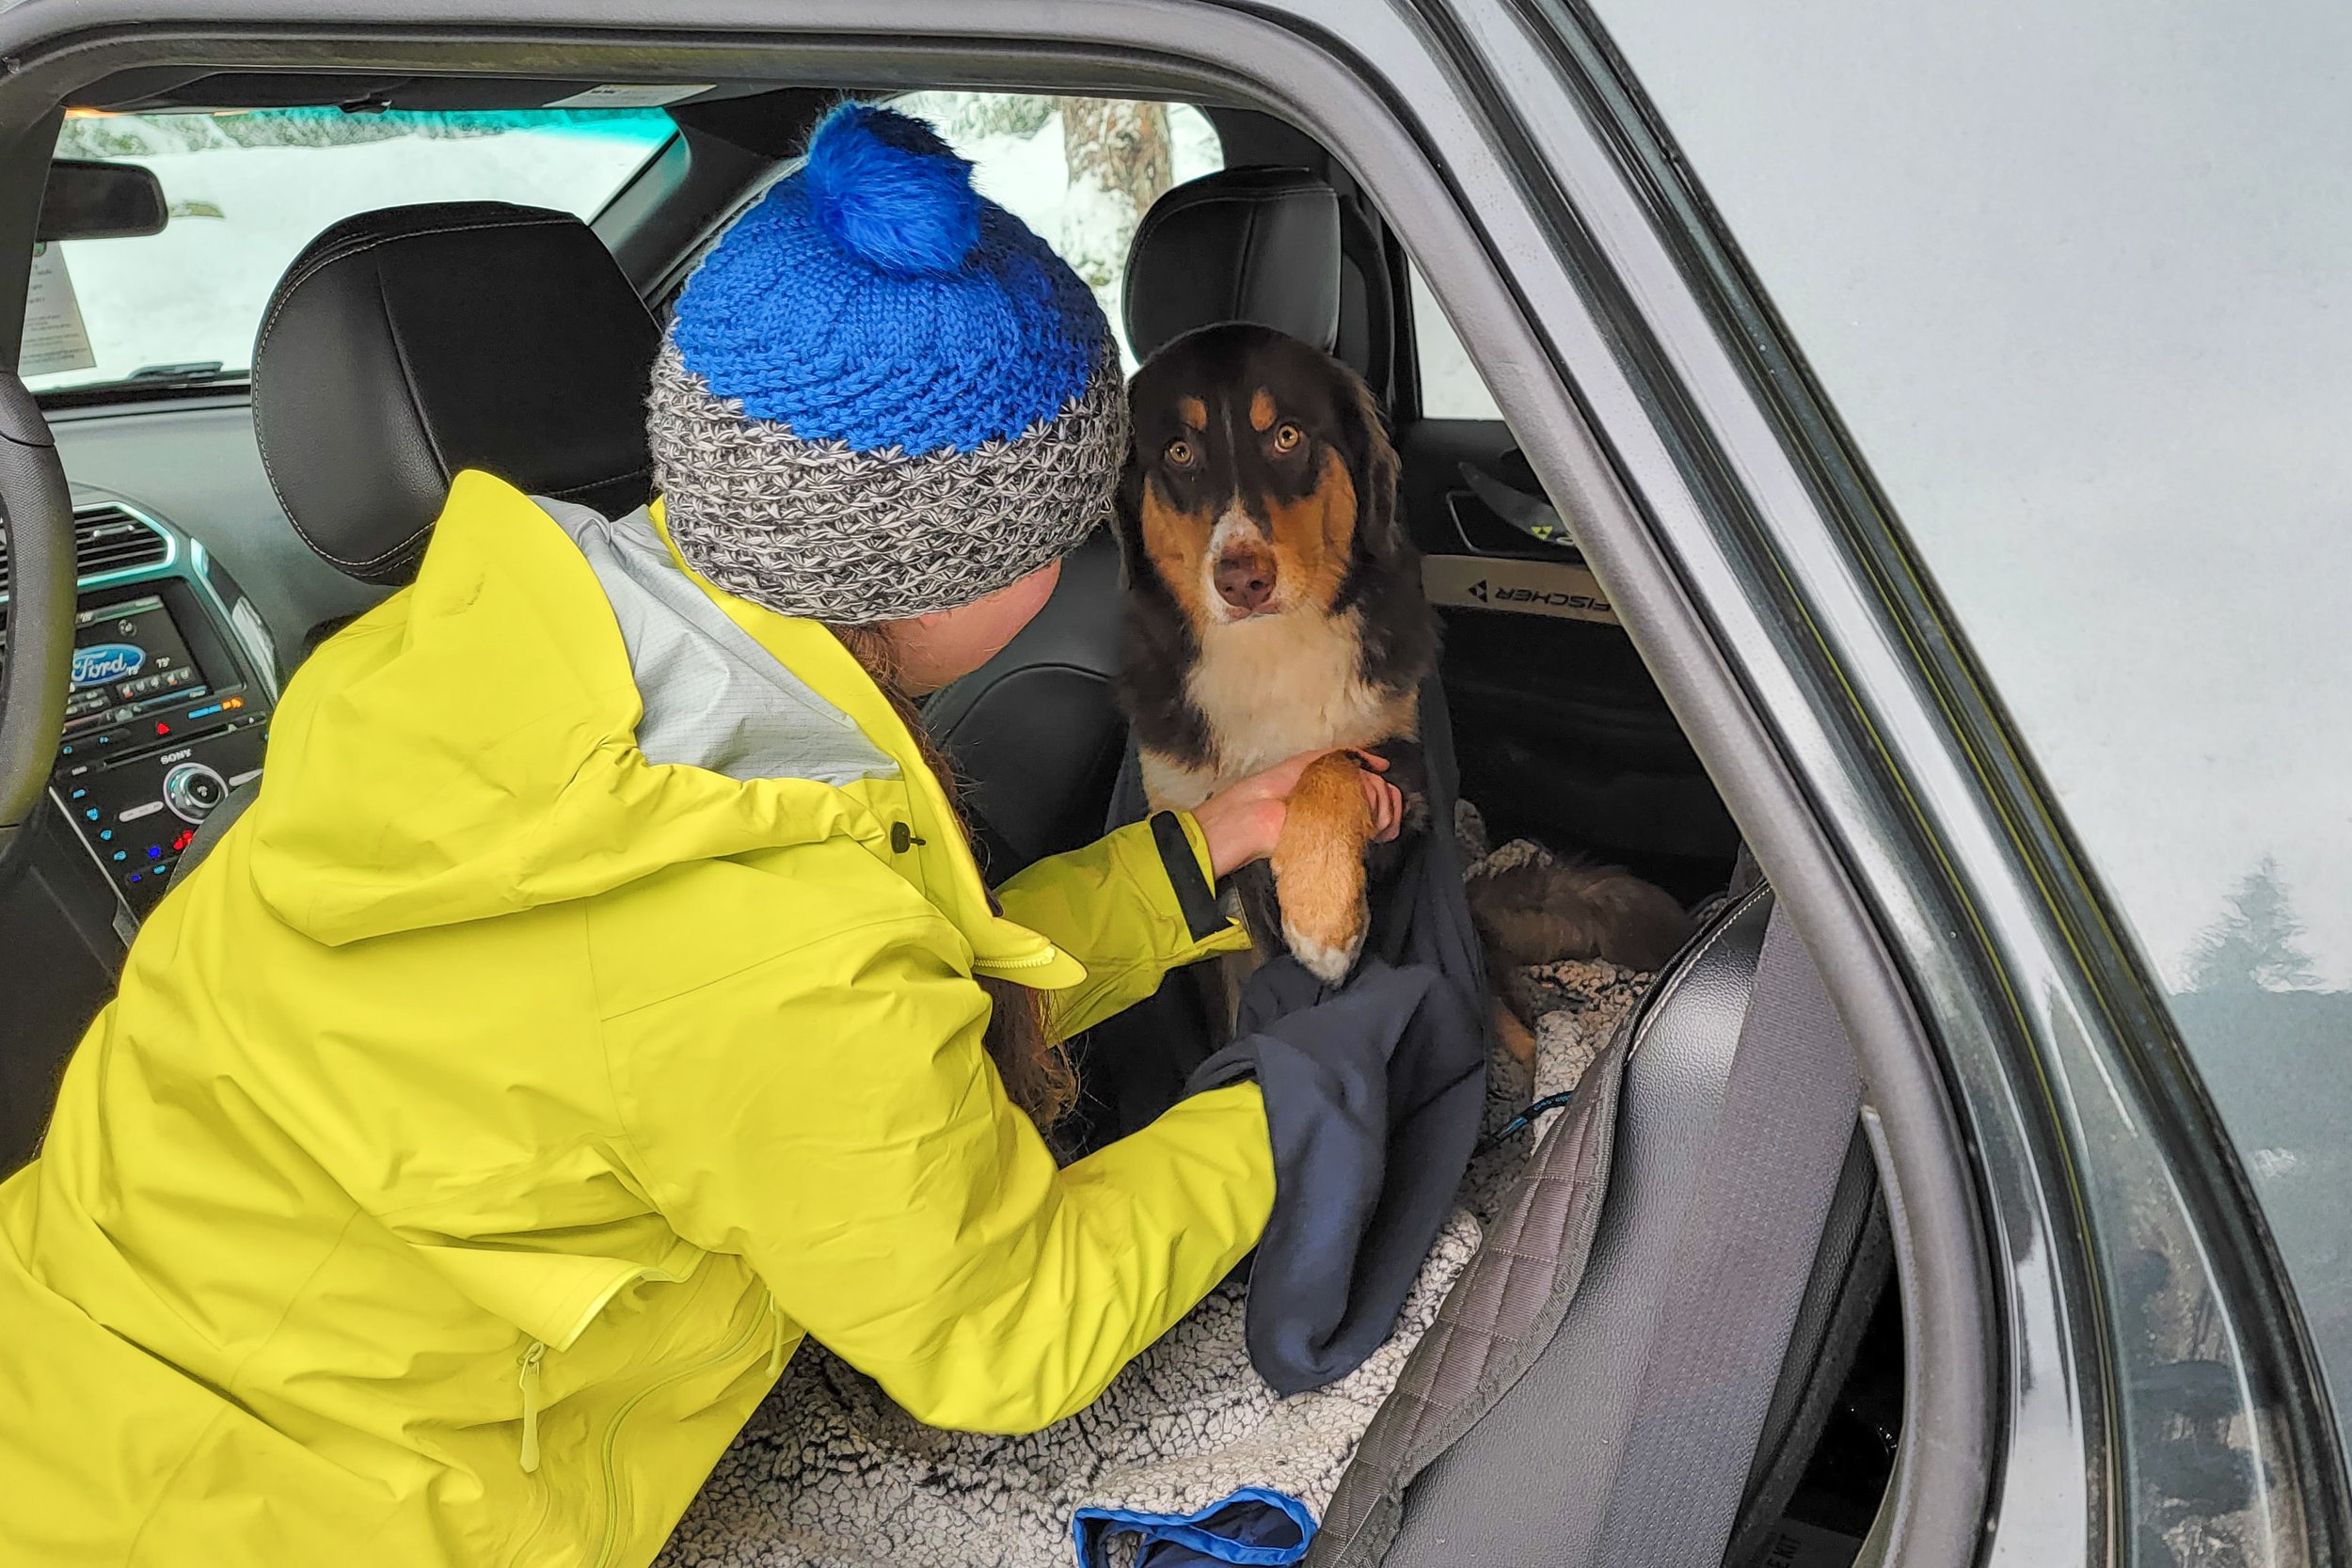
1563,737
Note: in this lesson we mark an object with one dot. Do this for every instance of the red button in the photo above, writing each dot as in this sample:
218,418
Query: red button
162,728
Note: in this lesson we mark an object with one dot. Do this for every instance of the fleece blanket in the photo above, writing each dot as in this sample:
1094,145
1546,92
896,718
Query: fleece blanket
830,1474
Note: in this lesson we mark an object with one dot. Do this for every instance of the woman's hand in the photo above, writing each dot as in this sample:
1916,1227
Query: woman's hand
1242,822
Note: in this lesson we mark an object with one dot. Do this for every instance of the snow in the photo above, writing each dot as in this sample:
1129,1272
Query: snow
1451,387
196,292
1088,227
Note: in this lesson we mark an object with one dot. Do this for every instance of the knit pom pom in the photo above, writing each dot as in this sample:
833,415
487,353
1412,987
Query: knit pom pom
891,192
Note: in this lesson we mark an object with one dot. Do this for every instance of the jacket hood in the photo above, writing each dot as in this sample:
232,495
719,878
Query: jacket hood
470,748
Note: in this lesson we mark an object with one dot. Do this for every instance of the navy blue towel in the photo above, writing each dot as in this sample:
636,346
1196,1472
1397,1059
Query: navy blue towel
1374,1091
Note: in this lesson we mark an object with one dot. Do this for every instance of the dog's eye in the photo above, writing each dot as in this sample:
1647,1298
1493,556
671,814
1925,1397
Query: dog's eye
1287,436
1179,452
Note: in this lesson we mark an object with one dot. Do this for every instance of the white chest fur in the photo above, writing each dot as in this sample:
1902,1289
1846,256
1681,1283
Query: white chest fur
1271,687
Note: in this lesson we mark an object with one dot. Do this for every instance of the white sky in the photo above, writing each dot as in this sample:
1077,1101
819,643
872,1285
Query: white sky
2079,279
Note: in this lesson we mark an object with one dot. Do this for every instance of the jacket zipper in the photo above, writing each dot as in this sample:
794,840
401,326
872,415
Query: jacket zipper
613,1432
529,1382
1033,961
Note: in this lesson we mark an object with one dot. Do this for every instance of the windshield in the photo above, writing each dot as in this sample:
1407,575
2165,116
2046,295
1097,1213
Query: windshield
248,191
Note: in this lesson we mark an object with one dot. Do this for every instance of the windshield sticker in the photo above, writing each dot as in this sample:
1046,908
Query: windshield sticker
55,338
622,96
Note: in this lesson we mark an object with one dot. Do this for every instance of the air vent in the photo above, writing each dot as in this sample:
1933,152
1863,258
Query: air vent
106,540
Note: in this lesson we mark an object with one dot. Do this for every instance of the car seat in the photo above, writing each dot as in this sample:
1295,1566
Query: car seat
404,344
1639,1364
1598,1391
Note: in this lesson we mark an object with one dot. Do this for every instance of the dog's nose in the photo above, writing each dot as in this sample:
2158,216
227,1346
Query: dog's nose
1245,581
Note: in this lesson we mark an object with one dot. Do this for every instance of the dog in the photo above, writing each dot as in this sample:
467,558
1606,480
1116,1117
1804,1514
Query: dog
1274,606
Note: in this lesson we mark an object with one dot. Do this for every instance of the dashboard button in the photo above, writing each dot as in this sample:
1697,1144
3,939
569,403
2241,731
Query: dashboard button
191,790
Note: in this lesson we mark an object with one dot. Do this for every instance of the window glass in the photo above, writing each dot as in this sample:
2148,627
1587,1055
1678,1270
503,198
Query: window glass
248,191
1080,171
1451,387
2078,278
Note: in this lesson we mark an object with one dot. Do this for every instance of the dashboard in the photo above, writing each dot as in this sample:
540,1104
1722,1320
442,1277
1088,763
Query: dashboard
174,677
196,598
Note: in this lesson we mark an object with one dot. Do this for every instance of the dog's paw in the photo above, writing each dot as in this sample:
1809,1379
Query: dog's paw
1318,866
1326,961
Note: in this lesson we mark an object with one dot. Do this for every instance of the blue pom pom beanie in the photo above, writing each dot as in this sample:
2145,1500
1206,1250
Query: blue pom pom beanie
880,395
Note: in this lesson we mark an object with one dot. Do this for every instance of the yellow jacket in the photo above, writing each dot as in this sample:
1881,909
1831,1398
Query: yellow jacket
479,1127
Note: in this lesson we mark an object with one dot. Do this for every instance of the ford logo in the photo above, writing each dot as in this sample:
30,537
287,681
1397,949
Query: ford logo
106,661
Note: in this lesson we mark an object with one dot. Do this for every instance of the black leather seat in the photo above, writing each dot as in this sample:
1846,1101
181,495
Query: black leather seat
1251,244
1536,1478
406,344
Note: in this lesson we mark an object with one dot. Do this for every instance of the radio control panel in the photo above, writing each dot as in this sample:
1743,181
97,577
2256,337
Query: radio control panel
139,809
161,728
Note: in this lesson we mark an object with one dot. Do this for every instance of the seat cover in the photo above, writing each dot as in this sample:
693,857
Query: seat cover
1508,1440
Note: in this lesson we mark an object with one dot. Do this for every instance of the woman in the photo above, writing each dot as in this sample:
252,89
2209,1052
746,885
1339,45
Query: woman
601,994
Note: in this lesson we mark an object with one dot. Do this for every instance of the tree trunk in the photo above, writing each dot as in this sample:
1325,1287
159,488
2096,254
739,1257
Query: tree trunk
1117,156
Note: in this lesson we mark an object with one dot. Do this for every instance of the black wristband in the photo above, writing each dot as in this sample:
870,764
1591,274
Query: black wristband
1193,894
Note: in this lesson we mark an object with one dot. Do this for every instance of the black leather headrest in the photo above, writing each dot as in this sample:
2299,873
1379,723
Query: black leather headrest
406,344
1255,244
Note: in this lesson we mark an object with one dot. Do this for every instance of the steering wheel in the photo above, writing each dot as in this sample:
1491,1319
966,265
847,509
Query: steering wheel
37,514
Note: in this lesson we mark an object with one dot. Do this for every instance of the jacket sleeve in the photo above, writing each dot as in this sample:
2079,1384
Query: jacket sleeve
1130,907
832,1116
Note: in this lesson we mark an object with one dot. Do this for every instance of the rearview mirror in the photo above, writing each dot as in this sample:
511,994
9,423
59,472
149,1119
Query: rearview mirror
100,202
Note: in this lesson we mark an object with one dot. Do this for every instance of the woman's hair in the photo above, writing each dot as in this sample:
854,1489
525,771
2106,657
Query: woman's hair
1035,1067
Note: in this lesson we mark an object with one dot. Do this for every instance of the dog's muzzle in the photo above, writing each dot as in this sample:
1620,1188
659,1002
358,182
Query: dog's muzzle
1241,566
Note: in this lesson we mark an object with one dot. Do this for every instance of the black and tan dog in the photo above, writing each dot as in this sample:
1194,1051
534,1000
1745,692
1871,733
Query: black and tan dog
1274,607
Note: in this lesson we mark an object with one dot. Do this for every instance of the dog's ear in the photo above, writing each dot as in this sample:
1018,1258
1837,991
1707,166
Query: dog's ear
1371,459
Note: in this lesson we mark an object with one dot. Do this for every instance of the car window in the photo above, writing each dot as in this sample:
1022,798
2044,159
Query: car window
248,191
2079,280
1080,171
1451,387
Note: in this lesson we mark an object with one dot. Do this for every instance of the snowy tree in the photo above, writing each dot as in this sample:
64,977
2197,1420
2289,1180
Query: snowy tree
962,116
2256,945
1120,160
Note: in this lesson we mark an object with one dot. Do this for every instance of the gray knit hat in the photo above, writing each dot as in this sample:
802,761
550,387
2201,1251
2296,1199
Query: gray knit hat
881,395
